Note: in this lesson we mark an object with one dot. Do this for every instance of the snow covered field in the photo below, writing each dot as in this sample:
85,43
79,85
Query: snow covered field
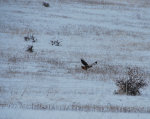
116,33
32,114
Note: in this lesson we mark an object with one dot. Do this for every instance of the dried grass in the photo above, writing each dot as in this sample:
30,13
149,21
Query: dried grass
79,107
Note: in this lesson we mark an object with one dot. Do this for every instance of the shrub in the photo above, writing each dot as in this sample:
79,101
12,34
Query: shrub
30,37
134,81
56,42
45,4
30,49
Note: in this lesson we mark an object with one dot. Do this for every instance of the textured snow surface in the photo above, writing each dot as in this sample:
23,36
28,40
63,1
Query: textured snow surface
116,34
36,114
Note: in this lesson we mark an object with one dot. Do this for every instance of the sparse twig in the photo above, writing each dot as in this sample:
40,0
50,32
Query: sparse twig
132,83
30,49
56,43
30,37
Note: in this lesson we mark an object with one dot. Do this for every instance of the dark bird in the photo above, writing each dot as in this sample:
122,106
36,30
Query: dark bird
86,65
30,48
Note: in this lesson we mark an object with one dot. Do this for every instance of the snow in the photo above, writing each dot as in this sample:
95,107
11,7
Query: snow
116,34
36,114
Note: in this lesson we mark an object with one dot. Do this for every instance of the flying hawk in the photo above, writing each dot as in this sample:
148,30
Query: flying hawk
86,65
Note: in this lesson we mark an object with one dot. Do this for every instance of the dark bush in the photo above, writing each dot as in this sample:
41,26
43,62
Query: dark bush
30,49
134,81
45,4
26,38
56,42
30,37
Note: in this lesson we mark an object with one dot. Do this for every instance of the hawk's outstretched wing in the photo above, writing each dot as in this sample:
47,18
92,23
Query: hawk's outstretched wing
84,62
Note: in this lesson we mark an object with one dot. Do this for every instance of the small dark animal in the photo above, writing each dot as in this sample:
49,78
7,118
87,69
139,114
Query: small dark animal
30,48
45,4
86,65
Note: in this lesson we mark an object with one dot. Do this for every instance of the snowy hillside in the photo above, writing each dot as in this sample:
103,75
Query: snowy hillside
115,33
